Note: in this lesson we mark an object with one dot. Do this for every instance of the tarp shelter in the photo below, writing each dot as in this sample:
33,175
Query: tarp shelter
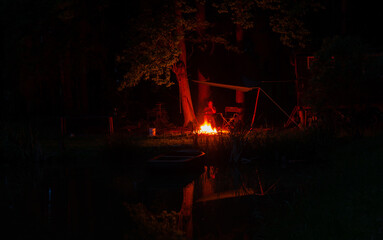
247,89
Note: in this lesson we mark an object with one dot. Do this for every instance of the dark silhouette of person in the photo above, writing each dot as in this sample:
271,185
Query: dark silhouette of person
209,114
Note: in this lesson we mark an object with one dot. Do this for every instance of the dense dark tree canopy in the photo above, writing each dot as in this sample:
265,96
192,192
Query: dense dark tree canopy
286,18
345,73
152,48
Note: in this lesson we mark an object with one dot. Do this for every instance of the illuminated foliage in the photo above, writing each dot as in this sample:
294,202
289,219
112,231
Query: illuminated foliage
239,11
153,50
145,225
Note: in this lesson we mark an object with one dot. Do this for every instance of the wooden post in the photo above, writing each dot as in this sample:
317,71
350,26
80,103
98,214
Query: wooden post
301,117
111,129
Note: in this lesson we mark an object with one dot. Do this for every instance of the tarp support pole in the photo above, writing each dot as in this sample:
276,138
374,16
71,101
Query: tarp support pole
255,108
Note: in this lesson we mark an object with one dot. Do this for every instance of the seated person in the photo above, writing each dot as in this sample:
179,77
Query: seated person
209,114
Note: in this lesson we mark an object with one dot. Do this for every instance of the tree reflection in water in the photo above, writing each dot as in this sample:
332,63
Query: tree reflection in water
216,196
186,213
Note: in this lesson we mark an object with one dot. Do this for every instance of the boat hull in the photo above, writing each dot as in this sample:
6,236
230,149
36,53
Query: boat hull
180,161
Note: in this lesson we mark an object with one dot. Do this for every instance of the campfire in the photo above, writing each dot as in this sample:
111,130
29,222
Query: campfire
206,128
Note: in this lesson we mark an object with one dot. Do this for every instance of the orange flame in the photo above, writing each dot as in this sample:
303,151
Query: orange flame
206,128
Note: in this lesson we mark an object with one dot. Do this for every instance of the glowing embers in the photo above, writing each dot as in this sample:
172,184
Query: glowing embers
206,128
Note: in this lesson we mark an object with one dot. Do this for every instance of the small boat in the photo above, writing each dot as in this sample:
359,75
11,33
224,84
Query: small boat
178,161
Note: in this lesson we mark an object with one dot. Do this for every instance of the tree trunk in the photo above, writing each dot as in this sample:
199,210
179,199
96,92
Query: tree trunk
240,96
184,90
203,89
186,213
66,84
82,92
343,22
203,92
181,72
83,85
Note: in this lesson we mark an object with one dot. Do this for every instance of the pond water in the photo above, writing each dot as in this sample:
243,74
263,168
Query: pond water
215,203
87,202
